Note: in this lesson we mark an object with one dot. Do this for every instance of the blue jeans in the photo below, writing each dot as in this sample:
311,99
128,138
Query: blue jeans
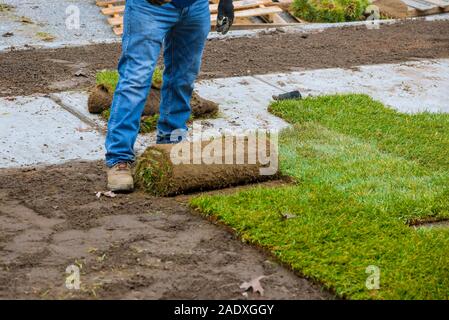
183,33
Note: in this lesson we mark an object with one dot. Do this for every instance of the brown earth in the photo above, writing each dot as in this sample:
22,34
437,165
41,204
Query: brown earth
131,246
32,71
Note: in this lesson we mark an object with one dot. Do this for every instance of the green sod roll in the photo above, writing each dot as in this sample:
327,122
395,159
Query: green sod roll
100,99
171,169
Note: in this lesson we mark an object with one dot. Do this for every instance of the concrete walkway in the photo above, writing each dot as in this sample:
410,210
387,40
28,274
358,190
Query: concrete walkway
40,130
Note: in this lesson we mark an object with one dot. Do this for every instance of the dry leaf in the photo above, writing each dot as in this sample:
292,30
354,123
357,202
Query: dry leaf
108,194
287,216
25,20
254,285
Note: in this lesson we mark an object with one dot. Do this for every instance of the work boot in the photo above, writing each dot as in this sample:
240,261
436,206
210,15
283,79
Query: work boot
120,177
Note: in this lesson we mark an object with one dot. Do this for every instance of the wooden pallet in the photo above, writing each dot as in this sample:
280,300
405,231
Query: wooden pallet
269,11
266,9
411,8
426,7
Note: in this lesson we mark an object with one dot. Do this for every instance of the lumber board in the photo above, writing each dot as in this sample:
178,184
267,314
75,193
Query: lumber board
248,4
253,12
238,5
440,3
117,21
105,3
110,11
420,5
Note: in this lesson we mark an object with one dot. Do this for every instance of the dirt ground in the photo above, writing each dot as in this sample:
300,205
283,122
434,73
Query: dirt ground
43,71
131,246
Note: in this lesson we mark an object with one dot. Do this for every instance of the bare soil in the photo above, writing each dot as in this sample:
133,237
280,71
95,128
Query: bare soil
43,71
133,246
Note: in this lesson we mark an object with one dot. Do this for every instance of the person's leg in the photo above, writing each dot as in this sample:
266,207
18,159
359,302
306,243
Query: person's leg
183,49
145,27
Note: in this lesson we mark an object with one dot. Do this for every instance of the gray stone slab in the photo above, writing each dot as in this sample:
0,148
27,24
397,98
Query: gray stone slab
408,87
35,130
49,17
76,101
243,103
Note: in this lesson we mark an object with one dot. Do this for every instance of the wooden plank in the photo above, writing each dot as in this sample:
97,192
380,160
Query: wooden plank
238,5
105,3
253,12
440,3
417,13
420,5
248,4
244,10
273,18
110,11
117,21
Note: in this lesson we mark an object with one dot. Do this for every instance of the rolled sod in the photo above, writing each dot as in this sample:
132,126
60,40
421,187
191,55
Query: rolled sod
100,99
171,169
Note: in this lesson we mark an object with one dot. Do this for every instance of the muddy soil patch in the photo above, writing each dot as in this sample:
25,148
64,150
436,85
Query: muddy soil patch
131,246
43,71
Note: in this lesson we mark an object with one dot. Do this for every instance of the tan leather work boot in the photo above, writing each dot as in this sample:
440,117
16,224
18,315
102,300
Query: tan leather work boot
120,177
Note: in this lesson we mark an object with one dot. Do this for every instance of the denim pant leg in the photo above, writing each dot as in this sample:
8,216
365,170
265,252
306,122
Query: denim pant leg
145,27
183,49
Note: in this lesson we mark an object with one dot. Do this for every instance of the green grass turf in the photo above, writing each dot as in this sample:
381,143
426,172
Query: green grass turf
330,10
360,179
420,137
147,123
109,78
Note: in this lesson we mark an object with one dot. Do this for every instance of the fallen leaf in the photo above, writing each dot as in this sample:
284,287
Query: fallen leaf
86,129
108,194
287,216
80,73
254,285
101,258
92,250
25,20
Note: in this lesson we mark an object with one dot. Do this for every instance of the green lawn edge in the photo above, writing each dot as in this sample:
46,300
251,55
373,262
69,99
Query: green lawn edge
356,190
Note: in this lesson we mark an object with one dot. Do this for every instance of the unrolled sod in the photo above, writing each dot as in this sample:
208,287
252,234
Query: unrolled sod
172,169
